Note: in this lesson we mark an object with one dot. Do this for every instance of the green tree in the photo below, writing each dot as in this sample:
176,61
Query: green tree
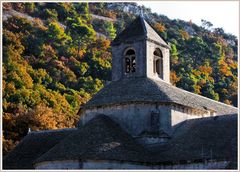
56,35
111,31
81,32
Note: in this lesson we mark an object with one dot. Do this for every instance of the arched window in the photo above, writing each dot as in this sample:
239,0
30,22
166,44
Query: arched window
130,61
158,63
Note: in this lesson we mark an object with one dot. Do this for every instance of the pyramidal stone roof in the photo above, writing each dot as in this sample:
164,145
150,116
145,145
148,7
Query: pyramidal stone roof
147,90
139,29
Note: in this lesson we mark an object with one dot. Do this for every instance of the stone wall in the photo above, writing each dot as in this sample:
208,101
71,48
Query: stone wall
129,165
151,47
144,60
118,60
66,164
133,118
181,113
107,164
91,164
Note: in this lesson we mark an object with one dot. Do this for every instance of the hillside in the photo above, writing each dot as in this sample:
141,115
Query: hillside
56,56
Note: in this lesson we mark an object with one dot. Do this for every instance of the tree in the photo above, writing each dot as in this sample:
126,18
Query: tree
174,54
80,31
208,91
56,35
159,27
12,46
111,31
184,34
219,31
83,10
174,78
30,8
206,24
50,13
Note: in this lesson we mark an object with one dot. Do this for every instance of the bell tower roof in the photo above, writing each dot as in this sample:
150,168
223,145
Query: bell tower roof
138,51
138,30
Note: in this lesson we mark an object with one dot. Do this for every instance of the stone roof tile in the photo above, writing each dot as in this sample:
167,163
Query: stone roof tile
33,146
153,91
204,138
139,29
101,138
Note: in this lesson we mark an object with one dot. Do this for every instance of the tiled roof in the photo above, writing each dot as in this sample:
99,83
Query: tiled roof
101,138
204,138
33,146
148,90
139,29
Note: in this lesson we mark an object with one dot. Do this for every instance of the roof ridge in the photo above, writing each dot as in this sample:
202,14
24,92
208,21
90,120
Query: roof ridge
52,131
144,26
152,30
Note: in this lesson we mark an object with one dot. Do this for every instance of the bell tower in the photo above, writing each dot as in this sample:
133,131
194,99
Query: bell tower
138,51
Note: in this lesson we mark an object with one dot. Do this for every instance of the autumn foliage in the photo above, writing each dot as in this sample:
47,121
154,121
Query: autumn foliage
56,56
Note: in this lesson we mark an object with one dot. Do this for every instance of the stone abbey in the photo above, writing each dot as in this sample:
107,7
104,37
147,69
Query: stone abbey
137,121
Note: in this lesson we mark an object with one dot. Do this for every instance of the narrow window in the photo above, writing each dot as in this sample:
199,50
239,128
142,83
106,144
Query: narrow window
158,63
133,61
127,65
130,61
154,121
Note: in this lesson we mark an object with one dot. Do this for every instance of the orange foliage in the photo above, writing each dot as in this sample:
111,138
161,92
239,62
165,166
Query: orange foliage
81,53
197,89
227,102
112,14
233,64
224,67
221,62
202,82
174,78
184,34
37,22
101,44
225,70
44,118
106,43
196,72
211,79
224,91
207,70
3,84
159,27
72,59
10,88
